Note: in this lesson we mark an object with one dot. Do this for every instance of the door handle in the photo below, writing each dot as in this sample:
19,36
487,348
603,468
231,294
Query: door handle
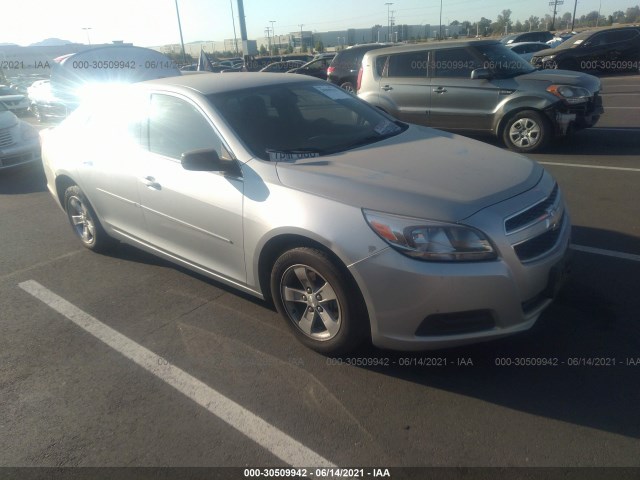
440,90
386,88
151,183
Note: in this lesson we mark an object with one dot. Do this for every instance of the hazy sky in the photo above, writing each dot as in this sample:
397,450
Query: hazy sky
153,22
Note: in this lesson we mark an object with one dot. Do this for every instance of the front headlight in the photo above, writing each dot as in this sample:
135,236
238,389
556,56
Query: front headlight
548,58
569,93
429,240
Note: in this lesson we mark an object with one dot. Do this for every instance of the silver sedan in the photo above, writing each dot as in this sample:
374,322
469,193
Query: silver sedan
357,226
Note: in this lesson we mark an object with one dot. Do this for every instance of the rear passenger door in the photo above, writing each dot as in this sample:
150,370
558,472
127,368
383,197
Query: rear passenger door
404,86
457,101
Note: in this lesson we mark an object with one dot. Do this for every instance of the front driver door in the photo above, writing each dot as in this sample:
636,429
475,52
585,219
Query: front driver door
194,216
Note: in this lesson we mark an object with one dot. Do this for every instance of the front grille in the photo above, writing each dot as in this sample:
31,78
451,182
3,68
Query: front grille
540,245
6,139
532,214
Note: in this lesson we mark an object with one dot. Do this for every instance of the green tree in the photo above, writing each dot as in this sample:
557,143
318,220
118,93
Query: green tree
304,48
263,50
503,22
618,17
319,46
484,26
533,23
632,15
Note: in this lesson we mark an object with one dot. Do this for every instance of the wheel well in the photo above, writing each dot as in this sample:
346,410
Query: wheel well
62,183
513,113
278,245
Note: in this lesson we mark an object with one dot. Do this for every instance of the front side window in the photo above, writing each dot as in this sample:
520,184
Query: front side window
177,126
503,62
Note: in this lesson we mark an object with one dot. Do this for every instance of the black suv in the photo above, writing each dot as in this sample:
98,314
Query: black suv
610,50
344,68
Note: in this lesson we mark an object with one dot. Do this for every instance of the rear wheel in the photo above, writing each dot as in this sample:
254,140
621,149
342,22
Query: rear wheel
84,221
526,132
320,305
348,86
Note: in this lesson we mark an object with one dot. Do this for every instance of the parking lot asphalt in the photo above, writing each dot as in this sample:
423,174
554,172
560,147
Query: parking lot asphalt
73,396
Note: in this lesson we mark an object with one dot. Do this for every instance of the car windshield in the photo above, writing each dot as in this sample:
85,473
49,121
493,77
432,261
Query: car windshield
504,62
575,41
301,120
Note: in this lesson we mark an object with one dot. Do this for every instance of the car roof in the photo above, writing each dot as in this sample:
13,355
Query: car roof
432,46
208,83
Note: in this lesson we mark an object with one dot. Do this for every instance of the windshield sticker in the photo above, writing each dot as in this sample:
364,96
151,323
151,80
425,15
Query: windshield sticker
386,128
333,92
290,156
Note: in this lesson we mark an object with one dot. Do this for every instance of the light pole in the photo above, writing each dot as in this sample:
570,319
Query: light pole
301,39
233,21
440,36
86,29
266,29
388,4
184,56
273,33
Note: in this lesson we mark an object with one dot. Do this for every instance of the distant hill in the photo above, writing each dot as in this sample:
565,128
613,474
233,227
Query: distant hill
8,44
51,42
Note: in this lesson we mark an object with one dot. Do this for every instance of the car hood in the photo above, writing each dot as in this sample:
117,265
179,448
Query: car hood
422,172
563,77
8,119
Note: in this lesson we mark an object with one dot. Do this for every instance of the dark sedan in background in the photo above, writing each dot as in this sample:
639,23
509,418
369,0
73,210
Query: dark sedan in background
614,50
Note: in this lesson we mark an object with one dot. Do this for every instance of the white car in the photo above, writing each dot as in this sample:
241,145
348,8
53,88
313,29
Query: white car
16,102
19,141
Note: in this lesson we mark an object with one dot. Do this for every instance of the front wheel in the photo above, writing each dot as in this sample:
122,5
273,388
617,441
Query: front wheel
84,221
321,306
526,132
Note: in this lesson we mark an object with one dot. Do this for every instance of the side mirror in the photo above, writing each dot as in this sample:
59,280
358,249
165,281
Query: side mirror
481,74
207,160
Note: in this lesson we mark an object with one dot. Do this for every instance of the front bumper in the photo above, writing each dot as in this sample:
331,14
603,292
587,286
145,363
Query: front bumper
20,154
575,117
415,305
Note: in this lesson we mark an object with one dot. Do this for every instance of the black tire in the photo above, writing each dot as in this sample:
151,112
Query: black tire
348,86
84,221
526,131
334,324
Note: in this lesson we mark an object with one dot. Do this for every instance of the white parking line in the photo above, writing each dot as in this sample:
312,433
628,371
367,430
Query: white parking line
598,167
264,434
607,253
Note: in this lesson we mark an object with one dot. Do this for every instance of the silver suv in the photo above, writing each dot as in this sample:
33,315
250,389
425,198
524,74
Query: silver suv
481,87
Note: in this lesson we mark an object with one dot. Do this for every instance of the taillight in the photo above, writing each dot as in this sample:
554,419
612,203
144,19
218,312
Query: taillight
359,80
330,70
